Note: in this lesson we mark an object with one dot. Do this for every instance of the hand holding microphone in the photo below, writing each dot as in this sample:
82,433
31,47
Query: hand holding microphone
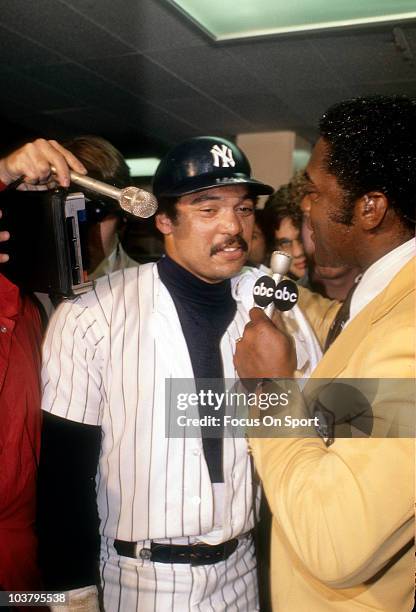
265,349
133,200
30,167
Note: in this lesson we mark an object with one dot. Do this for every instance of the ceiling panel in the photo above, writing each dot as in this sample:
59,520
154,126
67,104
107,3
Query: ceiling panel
97,120
284,64
208,116
22,88
264,111
12,109
211,69
167,127
410,34
83,85
19,51
407,88
91,89
141,76
310,106
144,24
40,125
359,59
139,73
61,29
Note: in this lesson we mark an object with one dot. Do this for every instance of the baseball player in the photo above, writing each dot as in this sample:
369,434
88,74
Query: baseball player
175,513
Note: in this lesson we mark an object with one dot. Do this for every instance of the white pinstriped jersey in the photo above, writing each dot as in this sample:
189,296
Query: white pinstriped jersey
106,357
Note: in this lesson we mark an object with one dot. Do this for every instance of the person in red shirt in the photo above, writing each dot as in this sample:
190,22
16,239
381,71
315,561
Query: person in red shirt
20,338
20,415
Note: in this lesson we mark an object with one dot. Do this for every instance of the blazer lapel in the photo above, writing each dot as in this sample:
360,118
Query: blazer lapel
339,353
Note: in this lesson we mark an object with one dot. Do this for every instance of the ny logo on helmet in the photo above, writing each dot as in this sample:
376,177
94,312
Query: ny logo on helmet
223,156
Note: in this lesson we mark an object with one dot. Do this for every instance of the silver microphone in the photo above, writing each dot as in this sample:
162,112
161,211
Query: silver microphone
279,264
133,200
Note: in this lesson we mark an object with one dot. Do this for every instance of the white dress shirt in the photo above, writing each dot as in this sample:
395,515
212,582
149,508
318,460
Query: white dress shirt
376,278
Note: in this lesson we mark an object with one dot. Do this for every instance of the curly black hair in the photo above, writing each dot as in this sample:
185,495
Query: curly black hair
372,147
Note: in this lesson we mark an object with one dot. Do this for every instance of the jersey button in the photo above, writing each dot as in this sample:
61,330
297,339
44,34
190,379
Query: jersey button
145,553
196,452
3,329
196,500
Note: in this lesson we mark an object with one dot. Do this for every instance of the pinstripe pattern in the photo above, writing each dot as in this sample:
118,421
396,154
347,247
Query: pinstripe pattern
151,587
136,425
107,356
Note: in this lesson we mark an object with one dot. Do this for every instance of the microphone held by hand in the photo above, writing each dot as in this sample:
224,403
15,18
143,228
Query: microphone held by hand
280,263
273,292
133,200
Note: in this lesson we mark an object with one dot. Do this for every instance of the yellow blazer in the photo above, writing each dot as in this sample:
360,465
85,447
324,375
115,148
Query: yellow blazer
343,521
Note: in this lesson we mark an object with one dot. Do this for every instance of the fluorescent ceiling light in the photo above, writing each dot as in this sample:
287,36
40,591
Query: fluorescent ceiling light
248,18
144,166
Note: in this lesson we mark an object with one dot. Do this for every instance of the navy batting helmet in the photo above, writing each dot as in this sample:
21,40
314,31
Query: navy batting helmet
202,163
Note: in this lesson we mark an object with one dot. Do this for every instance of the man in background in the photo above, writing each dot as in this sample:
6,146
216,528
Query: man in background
105,219
282,214
262,242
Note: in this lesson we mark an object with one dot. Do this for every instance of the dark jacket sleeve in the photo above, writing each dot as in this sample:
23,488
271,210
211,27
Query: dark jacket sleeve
67,516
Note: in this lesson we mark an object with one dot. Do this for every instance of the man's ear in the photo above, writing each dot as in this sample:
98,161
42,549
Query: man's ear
371,209
164,224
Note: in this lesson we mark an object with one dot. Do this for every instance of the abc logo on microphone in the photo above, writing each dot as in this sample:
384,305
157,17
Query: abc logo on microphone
284,295
263,291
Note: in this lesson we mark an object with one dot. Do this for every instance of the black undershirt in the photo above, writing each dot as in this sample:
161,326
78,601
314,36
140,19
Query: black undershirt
205,310
67,516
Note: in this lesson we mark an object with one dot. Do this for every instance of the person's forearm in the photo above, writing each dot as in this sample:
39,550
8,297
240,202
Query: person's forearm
67,513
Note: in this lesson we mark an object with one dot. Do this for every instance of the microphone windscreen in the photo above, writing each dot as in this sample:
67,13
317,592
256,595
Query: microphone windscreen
138,202
280,262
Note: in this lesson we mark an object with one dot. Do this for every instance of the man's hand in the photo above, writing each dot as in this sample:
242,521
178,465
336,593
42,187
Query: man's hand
33,162
265,350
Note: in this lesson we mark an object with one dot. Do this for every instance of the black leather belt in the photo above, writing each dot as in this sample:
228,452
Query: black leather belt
194,554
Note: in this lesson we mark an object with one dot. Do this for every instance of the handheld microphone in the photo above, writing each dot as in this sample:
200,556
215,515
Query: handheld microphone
279,264
133,200
273,292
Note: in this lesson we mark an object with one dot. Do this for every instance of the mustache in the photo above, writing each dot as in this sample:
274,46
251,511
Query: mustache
234,241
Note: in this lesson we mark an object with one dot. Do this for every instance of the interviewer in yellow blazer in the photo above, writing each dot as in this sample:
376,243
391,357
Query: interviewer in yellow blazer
343,514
